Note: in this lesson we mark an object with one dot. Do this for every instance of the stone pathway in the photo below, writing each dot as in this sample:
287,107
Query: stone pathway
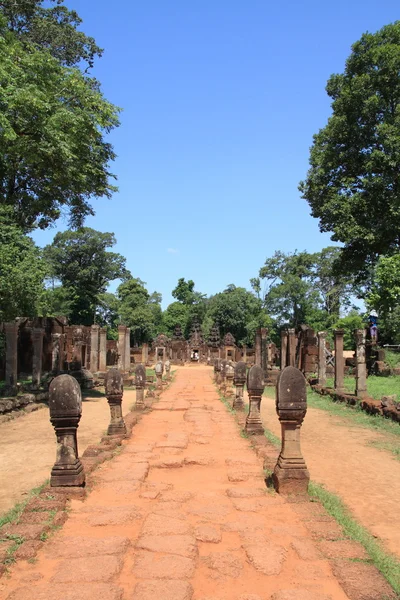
182,513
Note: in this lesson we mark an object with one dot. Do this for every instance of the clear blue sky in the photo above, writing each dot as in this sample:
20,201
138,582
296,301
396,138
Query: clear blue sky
220,101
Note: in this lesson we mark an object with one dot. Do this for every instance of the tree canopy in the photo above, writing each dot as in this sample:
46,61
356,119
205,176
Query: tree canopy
353,182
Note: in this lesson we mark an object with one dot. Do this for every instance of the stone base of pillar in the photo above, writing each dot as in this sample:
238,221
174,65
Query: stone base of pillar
290,478
254,426
238,403
139,405
117,428
68,475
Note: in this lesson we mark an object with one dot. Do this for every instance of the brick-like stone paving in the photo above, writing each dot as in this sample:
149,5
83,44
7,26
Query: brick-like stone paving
182,513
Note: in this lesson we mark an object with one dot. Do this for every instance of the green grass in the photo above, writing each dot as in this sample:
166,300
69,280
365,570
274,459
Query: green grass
13,515
376,386
387,564
388,446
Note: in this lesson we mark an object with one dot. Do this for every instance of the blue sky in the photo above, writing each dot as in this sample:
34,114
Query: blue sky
220,101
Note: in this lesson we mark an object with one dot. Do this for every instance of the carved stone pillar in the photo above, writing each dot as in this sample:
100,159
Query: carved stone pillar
222,385
11,332
264,344
217,371
239,380
339,360
145,353
56,353
284,347
361,365
113,383
168,370
128,350
94,348
121,347
290,474
229,373
322,358
37,343
292,344
159,369
140,384
65,403
103,349
255,390
258,348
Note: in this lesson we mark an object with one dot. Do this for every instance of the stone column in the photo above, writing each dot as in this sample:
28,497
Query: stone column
258,348
292,343
103,349
217,369
113,383
128,350
56,353
121,347
339,361
321,358
239,380
145,353
94,348
229,373
255,390
264,365
361,365
222,385
290,474
11,332
245,354
168,370
65,403
37,342
159,369
140,384
284,345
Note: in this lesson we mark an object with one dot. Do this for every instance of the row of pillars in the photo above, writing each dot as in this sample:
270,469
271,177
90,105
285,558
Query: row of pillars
361,365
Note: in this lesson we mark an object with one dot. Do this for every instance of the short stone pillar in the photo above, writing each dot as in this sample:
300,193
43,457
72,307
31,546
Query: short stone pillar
264,344
322,358
103,349
37,343
258,348
140,384
255,390
11,331
239,379
65,403
56,353
145,354
114,387
292,344
94,348
128,350
217,371
290,475
339,360
167,366
159,370
229,374
121,345
284,347
361,365
222,384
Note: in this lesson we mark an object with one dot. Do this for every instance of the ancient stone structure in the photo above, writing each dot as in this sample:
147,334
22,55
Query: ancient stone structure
292,347
339,361
167,366
178,346
103,349
290,474
159,369
239,380
140,384
113,384
65,403
11,332
128,350
229,347
255,390
94,348
258,348
361,365
214,343
222,384
308,351
37,342
161,347
56,355
284,348
322,358
229,374
217,371
121,347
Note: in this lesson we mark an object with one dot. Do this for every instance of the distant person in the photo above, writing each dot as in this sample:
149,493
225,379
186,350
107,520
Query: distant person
373,326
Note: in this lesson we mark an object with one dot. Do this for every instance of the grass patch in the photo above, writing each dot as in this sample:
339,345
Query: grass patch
13,515
391,447
387,564
376,386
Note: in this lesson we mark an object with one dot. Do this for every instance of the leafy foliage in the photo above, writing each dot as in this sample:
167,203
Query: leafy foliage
139,310
353,182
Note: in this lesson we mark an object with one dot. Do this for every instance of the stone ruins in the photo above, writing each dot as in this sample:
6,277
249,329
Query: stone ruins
113,384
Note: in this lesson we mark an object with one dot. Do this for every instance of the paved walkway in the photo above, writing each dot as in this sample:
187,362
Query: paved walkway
181,513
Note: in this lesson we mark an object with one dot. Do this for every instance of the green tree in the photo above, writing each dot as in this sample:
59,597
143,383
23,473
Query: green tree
384,297
353,320
335,288
175,314
139,310
22,272
353,184
53,121
81,261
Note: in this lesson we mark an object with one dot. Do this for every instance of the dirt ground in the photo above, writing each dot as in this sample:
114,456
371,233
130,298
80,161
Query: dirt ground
182,513
338,456
28,446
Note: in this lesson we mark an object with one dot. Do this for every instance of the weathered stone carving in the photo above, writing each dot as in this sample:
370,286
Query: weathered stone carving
239,379
255,390
65,403
113,383
322,358
167,366
290,474
361,365
229,374
339,360
217,371
159,370
140,384
222,385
